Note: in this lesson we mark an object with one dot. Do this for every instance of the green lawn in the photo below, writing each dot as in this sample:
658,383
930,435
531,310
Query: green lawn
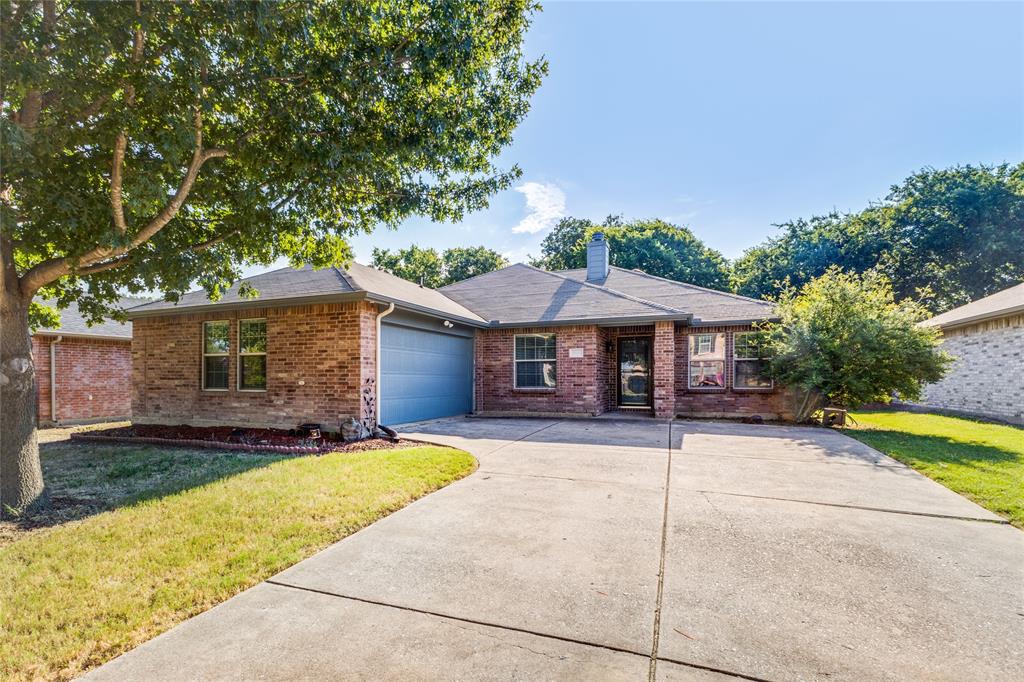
144,537
979,460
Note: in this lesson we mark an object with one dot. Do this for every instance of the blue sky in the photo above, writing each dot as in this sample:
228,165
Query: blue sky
728,117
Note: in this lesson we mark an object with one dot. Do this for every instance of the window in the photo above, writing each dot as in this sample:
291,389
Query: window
252,355
535,361
750,361
707,361
216,345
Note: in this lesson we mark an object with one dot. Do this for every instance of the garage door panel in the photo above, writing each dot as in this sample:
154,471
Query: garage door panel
424,374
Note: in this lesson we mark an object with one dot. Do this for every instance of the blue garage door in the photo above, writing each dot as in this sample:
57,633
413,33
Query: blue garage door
424,374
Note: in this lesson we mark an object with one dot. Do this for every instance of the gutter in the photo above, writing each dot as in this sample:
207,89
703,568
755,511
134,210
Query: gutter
53,378
376,361
135,313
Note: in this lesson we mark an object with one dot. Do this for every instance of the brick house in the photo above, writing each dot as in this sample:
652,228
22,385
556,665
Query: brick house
83,372
519,341
986,340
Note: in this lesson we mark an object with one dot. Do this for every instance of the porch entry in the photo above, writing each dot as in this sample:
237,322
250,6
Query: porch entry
634,356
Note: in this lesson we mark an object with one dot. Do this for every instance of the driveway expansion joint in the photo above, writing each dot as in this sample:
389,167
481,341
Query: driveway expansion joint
509,628
905,512
653,670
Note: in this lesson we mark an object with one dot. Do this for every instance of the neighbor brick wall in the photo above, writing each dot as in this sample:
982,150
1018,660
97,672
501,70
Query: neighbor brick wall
580,382
986,378
728,402
320,358
93,378
663,369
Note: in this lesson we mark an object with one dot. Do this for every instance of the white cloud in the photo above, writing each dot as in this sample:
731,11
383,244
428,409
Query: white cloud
546,204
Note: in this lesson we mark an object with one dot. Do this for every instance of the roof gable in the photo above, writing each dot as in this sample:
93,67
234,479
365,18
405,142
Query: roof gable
999,304
521,294
707,306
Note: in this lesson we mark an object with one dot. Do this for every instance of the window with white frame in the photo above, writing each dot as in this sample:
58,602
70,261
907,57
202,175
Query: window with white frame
750,361
252,355
535,361
707,361
216,348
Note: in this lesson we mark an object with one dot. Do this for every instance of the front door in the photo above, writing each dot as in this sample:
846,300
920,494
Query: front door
635,371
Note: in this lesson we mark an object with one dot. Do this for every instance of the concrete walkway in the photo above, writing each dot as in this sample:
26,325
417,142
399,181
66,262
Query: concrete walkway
607,550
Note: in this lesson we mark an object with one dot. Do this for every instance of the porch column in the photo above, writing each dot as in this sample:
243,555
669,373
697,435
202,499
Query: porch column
663,356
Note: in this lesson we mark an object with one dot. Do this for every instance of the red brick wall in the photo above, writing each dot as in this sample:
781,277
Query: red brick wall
320,358
663,369
93,378
581,383
728,402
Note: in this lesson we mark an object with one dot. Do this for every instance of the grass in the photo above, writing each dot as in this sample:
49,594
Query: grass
176,532
980,460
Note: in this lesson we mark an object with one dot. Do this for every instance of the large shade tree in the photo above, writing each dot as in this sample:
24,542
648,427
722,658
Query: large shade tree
432,269
150,145
943,237
654,246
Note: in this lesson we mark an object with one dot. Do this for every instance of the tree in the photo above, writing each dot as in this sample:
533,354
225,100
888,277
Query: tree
464,262
150,145
426,266
943,237
842,339
415,264
654,246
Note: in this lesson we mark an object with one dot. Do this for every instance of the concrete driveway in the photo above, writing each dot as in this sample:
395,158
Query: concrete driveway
606,550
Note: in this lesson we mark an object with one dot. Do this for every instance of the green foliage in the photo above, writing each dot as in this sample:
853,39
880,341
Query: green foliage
464,262
842,339
427,267
982,461
943,237
654,246
305,123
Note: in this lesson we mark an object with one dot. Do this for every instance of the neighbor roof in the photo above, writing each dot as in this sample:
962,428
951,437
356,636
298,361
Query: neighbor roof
524,295
707,306
307,285
72,323
1000,304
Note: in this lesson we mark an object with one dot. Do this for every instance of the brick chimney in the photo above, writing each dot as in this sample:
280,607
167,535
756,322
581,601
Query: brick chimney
597,259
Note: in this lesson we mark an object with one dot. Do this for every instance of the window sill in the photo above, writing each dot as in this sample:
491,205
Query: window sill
516,389
706,389
215,390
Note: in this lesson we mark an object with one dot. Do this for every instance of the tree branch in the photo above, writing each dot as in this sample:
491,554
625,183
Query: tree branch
54,268
116,202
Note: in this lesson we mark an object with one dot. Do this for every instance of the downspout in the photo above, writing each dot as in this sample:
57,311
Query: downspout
53,378
376,402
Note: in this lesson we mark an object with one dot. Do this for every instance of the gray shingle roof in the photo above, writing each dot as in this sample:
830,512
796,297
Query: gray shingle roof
306,283
516,295
72,323
706,305
522,294
1002,303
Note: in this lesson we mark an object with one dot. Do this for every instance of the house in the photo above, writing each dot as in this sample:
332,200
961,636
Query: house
83,373
986,340
517,341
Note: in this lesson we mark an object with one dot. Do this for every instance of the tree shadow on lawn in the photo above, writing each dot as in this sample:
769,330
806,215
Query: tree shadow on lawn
910,447
83,479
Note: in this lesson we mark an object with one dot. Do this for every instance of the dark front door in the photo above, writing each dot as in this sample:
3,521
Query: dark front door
635,371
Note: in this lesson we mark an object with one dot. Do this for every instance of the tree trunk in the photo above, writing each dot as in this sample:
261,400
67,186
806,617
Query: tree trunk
21,477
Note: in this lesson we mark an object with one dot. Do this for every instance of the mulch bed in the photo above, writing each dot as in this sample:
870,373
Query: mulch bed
229,438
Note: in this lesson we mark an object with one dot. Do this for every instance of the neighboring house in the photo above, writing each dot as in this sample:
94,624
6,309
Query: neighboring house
83,373
517,341
986,339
